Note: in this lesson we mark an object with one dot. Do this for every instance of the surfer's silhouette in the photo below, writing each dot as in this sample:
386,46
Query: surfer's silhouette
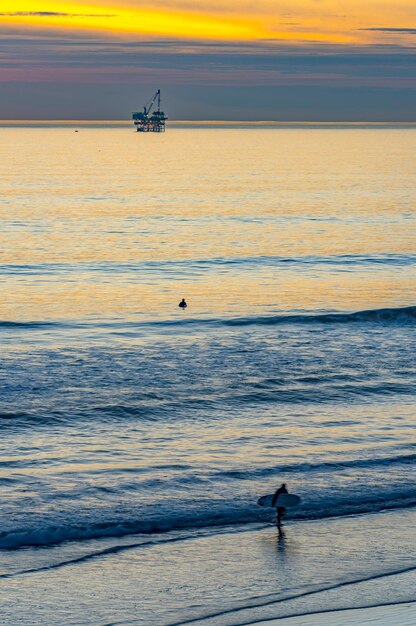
182,304
280,509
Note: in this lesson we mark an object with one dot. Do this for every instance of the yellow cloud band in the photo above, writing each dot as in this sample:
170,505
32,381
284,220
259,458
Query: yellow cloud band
233,20
149,21
118,19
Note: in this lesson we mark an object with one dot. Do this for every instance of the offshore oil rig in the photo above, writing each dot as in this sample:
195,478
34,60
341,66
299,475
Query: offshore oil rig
148,122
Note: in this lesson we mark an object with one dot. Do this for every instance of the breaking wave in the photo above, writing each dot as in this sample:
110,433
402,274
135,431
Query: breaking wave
210,518
222,509
400,315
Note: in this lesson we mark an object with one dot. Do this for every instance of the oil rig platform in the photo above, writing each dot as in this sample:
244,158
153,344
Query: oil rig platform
148,122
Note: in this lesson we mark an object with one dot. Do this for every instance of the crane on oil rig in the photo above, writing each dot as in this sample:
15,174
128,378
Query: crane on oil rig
147,123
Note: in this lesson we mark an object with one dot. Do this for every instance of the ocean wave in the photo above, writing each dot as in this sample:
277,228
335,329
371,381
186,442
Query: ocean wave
197,265
162,518
264,472
174,410
404,314
399,315
13,415
10,324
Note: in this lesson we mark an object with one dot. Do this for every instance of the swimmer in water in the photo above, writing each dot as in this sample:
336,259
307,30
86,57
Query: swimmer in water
182,304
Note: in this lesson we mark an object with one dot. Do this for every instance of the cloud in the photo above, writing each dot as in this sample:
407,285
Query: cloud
398,31
173,62
53,14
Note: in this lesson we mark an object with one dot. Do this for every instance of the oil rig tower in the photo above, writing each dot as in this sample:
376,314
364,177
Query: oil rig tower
148,122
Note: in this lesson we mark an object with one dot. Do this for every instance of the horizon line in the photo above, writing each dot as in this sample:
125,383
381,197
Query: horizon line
179,122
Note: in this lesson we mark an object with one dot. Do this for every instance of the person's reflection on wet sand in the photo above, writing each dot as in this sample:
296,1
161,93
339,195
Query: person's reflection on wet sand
280,545
280,539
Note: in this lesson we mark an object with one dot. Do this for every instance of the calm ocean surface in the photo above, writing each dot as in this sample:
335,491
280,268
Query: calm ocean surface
294,361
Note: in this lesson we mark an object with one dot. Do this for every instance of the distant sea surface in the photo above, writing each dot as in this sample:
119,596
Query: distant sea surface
294,361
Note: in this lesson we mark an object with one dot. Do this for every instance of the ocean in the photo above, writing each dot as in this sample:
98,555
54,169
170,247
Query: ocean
128,422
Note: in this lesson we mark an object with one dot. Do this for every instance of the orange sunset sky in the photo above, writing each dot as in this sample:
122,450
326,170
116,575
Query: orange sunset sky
67,59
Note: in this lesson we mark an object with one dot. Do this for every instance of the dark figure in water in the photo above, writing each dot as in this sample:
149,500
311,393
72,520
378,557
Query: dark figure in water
280,509
182,304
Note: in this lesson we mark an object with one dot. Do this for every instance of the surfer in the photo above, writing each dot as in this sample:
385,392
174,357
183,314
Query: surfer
182,304
280,509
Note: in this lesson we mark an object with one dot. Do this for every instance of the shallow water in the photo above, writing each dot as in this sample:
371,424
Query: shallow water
294,361
232,576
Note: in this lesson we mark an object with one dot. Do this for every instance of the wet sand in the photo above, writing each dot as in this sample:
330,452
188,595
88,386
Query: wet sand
231,576
390,615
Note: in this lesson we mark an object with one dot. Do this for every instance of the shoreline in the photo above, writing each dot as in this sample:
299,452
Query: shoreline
313,570
391,614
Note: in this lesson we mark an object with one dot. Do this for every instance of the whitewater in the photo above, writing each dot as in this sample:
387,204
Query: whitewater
136,437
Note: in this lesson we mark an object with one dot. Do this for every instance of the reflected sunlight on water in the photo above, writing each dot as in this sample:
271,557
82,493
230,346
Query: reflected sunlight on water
104,221
119,412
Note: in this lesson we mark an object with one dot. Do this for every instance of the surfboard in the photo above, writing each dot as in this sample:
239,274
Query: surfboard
287,500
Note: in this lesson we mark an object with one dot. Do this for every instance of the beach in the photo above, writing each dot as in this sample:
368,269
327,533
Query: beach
136,437
384,616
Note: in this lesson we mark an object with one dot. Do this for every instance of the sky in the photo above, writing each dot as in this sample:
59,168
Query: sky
289,60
